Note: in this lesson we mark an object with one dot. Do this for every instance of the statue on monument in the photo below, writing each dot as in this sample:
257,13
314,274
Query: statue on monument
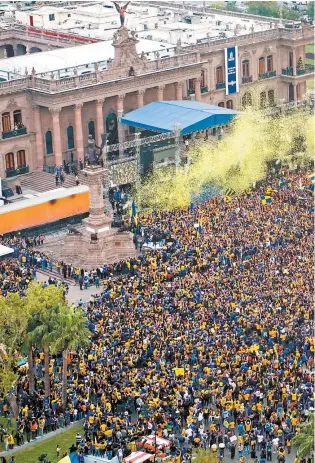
122,10
93,152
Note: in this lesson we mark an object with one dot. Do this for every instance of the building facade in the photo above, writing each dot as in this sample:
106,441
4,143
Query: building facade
45,121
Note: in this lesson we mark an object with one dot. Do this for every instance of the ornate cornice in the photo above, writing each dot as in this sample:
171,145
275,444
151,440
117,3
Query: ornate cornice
110,89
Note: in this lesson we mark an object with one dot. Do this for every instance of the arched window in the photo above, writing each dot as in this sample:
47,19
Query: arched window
245,68
229,104
9,161
91,129
21,160
70,137
6,122
221,104
49,145
271,97
261,65
246,99
262,100
219,75
269,63
17,118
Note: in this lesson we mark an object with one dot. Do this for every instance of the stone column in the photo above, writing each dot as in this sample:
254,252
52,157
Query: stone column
38,137
179,90
99,121
56,136
160,92
78,132
5,53
254,66
140,94
27,50
97,218
185,89
197,89
295,94
294,62
121,129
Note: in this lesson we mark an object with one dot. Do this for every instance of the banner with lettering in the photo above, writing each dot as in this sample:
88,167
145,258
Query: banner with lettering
231,70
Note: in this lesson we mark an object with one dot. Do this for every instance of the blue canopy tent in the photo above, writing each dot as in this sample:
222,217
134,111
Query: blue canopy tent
192,116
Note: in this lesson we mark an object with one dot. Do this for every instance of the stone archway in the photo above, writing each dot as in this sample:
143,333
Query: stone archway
35,50
10,50
20,49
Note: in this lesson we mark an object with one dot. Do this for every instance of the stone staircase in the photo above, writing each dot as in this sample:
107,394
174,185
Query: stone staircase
59,276
40,181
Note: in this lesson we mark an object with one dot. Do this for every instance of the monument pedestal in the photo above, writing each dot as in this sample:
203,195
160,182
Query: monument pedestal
97,243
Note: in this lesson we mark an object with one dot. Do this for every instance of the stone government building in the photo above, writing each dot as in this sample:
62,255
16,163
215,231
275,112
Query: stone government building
45,118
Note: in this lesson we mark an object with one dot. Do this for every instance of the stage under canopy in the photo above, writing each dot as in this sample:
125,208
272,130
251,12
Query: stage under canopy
192,116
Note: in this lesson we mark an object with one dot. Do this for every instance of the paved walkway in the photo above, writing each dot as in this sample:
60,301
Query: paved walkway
75,294
40,439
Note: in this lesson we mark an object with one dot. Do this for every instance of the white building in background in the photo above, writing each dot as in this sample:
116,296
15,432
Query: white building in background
87,76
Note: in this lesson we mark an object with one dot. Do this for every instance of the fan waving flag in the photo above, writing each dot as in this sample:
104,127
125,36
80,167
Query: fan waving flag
228,194
134,212
266,199
281,182
72,458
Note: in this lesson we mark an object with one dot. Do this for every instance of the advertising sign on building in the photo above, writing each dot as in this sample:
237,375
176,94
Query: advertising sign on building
231,70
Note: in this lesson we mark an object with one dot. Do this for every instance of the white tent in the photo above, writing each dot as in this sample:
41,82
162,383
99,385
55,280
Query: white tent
5,250
138,457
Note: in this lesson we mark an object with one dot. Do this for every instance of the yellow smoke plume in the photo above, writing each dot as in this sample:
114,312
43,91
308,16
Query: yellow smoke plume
237,161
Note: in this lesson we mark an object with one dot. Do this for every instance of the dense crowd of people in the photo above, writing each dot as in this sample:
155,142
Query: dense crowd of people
207,343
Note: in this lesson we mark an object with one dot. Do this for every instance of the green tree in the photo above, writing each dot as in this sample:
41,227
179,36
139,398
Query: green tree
304,440
202,455
218,5
69,332
300,64
40,305
263,8
232,6
288,13
13,323
310,10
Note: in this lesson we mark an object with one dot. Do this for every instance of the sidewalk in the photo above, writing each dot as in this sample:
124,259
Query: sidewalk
74,294
40,439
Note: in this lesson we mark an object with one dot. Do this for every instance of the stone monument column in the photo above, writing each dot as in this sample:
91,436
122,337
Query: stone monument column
97,222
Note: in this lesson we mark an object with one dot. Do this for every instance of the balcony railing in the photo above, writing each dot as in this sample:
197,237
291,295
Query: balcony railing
220,85
204,89
18,171
191,91
14,133
267,75
287,71
299,72
247,79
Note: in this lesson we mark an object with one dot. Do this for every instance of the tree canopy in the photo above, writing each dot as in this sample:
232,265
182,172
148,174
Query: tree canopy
304,440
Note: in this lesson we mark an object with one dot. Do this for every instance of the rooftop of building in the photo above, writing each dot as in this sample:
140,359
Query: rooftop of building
63,61
95,19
